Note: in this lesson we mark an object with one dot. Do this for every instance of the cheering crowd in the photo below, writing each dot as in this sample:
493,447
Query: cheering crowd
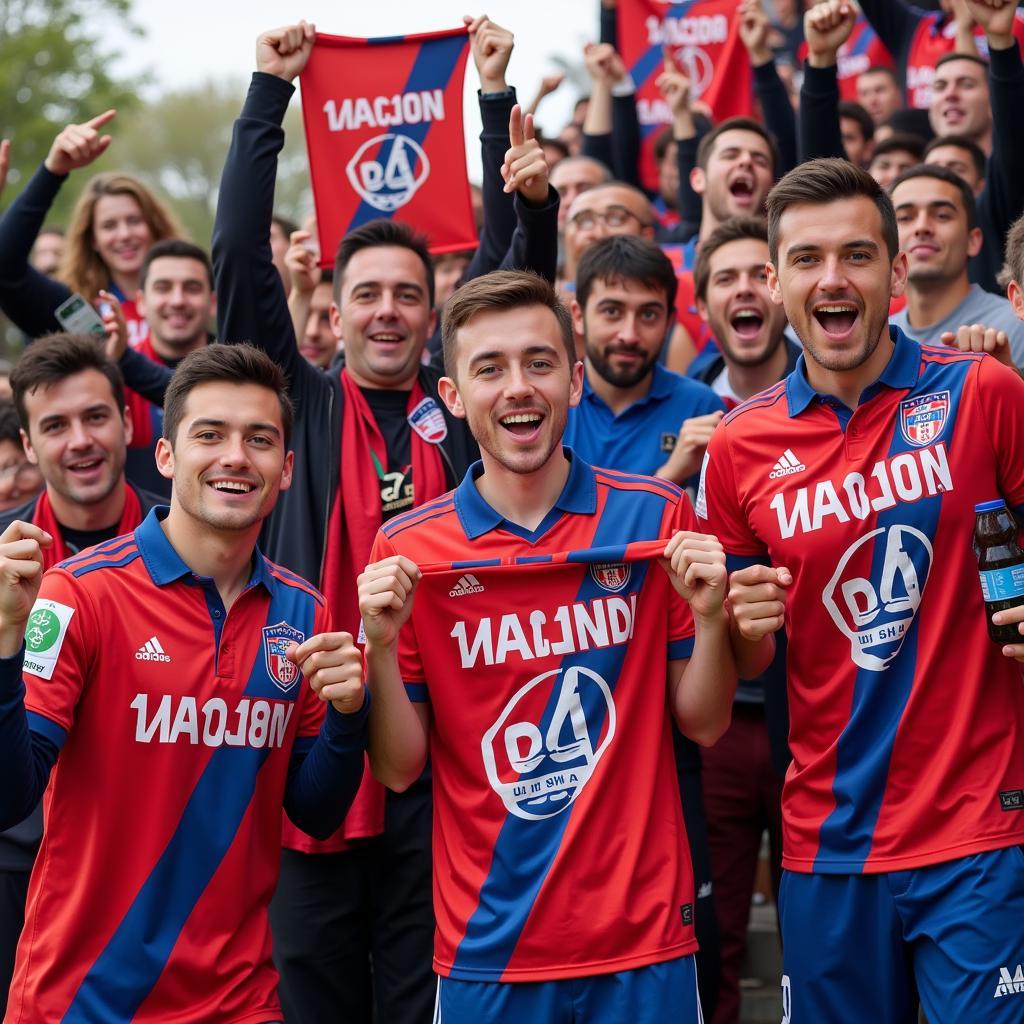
537,582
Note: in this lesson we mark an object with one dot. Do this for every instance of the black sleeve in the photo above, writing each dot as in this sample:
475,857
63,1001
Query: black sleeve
535,241
626,139
895,23
323,779
820,133
144,376
609,26
27,297
499,215
599,147
779,116
26,757
1004,173
251,303
691,208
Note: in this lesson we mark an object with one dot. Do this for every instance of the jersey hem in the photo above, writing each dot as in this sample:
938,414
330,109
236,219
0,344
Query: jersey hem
877,866
567,971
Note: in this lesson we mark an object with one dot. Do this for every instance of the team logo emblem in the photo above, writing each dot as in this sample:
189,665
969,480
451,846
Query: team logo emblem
42,630
546,744
611,576
875,614
698,66
276,641
922,420
428,421
384,171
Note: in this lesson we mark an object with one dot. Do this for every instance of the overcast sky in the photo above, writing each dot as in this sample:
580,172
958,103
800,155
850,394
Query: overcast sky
188,42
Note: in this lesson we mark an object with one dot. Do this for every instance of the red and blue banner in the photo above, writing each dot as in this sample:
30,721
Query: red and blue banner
861,51
700,36
383,121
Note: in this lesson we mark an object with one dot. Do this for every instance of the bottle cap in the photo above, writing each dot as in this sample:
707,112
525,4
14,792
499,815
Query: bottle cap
990,506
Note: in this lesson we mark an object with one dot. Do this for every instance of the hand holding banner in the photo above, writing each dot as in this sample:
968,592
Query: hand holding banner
383,121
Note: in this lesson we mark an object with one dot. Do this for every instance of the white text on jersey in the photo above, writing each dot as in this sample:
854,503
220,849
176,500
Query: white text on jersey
251,723
908,477
583,626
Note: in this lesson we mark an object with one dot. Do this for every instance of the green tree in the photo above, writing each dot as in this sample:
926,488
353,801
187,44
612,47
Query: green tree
55,69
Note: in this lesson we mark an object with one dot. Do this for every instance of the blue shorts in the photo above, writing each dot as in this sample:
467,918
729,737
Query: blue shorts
664,993
860,948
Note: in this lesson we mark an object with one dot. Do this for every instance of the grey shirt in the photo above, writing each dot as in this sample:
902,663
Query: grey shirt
978,307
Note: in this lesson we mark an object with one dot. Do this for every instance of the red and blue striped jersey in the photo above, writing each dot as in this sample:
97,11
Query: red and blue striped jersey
175,721
559,843
906,721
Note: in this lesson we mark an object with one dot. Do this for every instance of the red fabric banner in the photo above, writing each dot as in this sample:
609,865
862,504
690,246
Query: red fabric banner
702,37
383,121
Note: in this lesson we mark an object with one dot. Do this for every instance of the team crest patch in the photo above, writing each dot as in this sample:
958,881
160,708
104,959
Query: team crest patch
611,576
428,421
276,641
923,419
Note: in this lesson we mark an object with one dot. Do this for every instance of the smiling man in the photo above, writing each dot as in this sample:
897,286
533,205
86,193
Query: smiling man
938,228
545,913
844,497
184,721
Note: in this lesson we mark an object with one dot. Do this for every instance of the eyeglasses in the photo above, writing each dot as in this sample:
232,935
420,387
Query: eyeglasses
610,217
24,475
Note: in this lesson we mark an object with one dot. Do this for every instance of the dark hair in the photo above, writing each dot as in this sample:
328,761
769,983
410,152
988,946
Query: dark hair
500,290
233,364
626,258
1013,269
734,229
286,225
911,121
880,69
900,142
959,142
735,124
10,427
825,181
947,58
51,229
377,233
855,112
556,144
662,141
175,248
56,357
940,173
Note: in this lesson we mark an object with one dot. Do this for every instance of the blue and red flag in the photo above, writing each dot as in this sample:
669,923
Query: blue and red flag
700,36
383,121
861,51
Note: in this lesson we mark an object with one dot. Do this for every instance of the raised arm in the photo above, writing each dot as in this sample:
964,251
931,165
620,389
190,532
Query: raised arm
251,303
895,22
826,27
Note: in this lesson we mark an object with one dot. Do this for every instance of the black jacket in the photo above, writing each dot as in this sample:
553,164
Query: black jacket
18,845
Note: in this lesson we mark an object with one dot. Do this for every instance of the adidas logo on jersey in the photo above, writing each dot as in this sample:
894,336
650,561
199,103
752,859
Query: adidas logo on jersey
1007,985
467,584
152,651
787,465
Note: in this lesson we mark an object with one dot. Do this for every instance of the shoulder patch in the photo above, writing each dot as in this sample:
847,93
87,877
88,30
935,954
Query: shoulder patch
44,636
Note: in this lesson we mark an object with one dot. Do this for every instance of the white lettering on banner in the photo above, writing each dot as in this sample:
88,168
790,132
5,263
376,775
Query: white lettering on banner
389,185
875,614
702,30
252,723
908,477
357,112
583,626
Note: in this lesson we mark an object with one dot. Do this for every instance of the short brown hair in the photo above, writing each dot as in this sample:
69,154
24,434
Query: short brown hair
233,364
56,357
734,229
502,289
1013,268
735,124
825,181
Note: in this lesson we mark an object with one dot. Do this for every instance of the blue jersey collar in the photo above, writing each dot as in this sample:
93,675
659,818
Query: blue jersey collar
579,496
900,372
165,565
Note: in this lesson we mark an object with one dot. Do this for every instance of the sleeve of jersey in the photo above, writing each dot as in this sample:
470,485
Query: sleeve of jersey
60,642
680,618
1001,397
410,665
719,508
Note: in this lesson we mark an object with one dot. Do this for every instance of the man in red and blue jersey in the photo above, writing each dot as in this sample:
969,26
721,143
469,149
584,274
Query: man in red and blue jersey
535,661
163,687
849,489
